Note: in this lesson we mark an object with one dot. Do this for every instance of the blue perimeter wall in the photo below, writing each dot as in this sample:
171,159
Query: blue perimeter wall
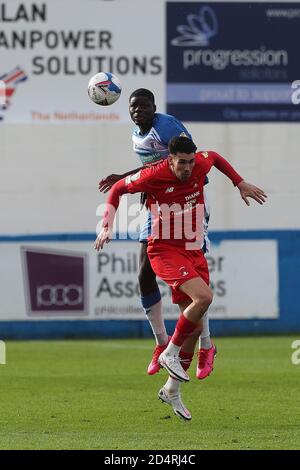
289,297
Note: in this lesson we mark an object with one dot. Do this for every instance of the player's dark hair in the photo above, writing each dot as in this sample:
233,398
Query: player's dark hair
143,92
181,144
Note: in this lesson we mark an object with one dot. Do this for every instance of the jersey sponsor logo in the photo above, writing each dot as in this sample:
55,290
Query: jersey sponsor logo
148,154
131,178
136,176
192,196
205,154
170,190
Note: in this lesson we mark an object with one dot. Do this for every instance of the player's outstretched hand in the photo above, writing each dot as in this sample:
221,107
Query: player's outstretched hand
107,183
249,190
103,237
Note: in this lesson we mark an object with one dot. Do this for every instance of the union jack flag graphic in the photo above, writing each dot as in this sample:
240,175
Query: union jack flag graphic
9,82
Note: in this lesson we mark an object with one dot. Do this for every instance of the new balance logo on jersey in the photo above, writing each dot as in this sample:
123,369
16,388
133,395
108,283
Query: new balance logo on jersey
170,190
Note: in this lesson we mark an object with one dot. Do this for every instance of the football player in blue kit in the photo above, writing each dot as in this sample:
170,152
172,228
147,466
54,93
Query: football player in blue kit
150,138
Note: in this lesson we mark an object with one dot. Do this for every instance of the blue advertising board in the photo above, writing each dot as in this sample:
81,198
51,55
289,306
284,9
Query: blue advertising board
34,327
233,61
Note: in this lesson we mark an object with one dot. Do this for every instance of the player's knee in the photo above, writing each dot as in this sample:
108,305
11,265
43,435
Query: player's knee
204,299
208,298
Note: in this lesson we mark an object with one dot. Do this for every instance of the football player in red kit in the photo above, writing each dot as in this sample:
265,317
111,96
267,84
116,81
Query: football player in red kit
175,198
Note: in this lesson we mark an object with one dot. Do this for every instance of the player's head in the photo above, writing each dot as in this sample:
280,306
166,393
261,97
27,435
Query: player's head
142,108
182,157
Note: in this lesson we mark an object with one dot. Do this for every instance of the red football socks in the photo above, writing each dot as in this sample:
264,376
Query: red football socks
184,328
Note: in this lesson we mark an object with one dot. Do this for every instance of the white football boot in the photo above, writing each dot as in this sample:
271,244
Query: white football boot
176,402
172,364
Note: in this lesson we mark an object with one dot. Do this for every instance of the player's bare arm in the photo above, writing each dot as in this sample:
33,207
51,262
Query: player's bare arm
249,190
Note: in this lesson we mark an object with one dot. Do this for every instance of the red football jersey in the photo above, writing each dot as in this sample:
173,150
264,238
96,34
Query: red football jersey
177,207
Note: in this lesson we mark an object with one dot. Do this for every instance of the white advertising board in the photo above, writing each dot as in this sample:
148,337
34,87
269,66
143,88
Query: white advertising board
49,50
70,281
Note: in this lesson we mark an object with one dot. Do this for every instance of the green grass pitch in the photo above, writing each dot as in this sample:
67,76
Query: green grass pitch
97,395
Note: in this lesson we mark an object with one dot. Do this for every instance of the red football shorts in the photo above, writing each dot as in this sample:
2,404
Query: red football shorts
175,266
